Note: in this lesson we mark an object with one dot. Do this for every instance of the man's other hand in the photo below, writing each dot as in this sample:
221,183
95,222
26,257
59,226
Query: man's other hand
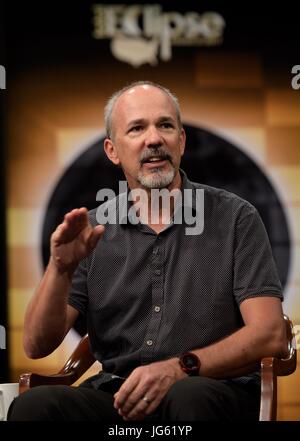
144,389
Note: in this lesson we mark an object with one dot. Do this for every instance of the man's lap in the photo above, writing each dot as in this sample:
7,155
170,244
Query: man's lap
191,399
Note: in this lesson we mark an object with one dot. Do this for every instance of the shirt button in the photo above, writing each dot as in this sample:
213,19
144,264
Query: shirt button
157,272
149,342
156,308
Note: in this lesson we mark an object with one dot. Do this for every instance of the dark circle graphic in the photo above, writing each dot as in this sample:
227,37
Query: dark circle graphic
208,159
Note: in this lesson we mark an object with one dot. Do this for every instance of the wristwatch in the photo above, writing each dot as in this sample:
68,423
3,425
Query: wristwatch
190,363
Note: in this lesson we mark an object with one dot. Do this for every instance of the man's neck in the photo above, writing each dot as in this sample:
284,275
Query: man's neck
156,211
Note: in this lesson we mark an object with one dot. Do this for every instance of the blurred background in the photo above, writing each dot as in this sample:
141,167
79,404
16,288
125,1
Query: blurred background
231,68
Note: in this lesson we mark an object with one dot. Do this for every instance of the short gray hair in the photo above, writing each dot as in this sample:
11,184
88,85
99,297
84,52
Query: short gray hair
112,101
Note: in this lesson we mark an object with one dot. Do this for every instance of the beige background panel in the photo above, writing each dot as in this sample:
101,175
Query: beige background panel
21,363
251,140
291,304
288,180
288,385
224,107
228,69
289,413
93,370
18,301
283,106
24,267
71,142
57,96
283,146
30,177
24,226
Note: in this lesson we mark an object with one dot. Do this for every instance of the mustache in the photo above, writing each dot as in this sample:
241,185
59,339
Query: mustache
159,152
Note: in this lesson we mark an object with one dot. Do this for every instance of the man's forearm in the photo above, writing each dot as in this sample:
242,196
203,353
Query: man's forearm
240,352
46,315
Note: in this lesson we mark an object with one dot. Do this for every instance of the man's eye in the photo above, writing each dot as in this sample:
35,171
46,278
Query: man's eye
166,125
135,129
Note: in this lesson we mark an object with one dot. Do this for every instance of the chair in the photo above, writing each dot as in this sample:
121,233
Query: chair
271,368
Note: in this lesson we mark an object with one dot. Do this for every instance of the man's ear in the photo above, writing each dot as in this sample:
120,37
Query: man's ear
182,141
111,151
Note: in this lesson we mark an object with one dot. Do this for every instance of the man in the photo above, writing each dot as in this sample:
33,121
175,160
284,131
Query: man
179,322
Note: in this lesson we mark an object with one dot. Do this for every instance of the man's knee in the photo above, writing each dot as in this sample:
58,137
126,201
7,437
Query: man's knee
38,404
192,389
194,399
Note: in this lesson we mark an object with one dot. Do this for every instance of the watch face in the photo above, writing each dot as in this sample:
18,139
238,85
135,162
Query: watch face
190,363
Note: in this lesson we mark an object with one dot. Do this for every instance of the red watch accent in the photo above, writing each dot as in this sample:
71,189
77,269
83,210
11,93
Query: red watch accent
190,363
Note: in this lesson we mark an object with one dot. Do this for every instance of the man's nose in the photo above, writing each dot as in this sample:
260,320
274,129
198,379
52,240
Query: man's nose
153,137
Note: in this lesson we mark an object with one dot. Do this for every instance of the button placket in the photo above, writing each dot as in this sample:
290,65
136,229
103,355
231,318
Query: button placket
156,267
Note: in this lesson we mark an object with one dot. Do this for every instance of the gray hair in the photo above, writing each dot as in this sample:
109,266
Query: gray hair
113,99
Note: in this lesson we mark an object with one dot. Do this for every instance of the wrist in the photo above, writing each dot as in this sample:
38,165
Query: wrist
190,363
178,372
60,268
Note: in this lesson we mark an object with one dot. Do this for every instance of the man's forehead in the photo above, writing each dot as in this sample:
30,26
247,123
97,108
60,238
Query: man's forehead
142,93
142,87
144,90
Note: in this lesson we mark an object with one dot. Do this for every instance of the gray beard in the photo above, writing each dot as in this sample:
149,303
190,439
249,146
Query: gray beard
157,179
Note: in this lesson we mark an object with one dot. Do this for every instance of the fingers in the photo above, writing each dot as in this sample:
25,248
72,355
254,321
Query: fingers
74,223
73,240
136,399
137,413
125,390
93,236
137,408
76,220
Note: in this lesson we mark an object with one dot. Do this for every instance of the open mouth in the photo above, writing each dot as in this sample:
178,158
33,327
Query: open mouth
156,160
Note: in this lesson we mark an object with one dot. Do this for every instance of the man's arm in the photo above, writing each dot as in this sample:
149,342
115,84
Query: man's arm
263,335
48,316
235,355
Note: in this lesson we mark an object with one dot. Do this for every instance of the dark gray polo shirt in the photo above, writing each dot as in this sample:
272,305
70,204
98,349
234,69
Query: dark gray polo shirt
149,297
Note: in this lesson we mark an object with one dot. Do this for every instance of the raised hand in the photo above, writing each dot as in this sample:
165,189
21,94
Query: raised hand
73,240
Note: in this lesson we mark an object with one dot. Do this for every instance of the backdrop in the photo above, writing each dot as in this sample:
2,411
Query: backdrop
231,68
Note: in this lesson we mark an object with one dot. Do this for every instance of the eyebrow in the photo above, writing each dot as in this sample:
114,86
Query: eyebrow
136,121
142,120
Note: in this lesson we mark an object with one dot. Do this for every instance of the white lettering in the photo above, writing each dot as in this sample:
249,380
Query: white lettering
162,203
148,24
125,431
2,77
198,220
2,337
296,79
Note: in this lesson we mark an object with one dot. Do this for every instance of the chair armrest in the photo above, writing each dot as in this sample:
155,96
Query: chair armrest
268,399
78,363
29,380
271,368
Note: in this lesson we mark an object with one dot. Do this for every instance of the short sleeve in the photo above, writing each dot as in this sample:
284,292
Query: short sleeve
255,272
78,297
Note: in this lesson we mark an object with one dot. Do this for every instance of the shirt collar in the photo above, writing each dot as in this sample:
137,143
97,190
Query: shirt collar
188,198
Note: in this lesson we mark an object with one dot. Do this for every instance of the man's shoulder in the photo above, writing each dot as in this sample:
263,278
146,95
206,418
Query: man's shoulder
223,198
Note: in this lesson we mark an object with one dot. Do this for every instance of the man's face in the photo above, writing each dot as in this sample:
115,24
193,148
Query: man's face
147,141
